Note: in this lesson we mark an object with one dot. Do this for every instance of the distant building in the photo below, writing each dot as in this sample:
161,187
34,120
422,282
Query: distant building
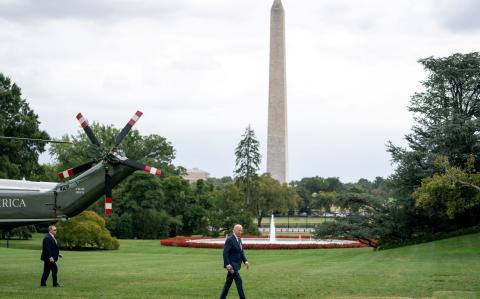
196,174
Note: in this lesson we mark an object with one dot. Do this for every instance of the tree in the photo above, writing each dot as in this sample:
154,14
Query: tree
18,158
228,209
152,224
142,208
149,207
220,182
270,196
372,219
310,188
202,202
247,162
324,200
195,207
446,124
307,188
446,116
456,192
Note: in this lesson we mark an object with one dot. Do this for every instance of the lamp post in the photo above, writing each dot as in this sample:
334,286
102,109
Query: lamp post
314,195
306,220
288,220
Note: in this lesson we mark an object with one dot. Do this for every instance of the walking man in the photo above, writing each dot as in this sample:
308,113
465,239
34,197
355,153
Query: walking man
50,254
233,256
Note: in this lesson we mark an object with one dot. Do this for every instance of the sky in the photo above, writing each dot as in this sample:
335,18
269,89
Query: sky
198,70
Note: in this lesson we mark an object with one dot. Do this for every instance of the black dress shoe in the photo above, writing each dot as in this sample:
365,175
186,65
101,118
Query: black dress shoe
43,285
58,286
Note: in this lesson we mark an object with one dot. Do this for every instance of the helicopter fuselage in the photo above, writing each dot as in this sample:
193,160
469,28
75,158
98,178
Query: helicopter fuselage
25,203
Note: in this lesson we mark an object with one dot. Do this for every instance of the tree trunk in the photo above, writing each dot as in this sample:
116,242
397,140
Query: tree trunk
259,220
369,242
467,184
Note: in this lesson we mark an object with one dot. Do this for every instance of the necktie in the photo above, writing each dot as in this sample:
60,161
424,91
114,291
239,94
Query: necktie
240,243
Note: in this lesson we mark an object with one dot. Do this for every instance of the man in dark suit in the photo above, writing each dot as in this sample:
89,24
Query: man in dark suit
233,256
50,254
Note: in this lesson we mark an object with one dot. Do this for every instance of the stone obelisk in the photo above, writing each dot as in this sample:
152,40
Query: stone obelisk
277,145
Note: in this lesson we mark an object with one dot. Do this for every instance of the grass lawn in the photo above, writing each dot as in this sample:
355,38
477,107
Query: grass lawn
143,269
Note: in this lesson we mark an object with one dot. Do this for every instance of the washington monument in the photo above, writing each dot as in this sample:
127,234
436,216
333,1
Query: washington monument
277,141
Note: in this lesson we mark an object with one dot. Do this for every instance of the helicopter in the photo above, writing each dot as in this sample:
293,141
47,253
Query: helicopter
27,203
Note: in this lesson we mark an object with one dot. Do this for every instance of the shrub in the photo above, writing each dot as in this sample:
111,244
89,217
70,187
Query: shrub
22,233
87,230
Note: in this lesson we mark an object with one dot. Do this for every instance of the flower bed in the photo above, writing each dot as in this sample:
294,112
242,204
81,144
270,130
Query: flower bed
185,242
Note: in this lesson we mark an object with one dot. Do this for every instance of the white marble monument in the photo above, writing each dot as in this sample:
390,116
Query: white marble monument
277,141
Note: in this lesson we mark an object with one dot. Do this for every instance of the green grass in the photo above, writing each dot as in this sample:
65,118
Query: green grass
143,269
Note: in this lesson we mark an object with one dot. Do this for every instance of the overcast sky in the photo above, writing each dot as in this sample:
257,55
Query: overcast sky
198,69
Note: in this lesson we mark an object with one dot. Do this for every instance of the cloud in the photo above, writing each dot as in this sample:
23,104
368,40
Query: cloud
458,15
102,10
199,72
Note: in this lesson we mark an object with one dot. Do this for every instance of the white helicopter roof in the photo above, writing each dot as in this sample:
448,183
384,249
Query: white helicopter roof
23,185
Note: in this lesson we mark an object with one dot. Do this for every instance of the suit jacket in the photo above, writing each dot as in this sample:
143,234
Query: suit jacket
233,254
49,248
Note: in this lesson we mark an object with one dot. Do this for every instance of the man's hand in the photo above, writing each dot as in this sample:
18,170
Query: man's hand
247,264
52,260
229,268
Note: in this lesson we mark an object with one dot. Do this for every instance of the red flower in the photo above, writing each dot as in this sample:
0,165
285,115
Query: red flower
183,242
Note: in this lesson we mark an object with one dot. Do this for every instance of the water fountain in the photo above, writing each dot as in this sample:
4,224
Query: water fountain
272,232
270,242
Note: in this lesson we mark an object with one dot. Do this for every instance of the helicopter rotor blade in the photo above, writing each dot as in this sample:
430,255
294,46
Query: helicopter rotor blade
83,122
140,166
128,127
75,170
108,193
35,139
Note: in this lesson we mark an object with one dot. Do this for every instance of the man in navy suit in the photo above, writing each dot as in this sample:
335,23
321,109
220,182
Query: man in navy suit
233,256
50,254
